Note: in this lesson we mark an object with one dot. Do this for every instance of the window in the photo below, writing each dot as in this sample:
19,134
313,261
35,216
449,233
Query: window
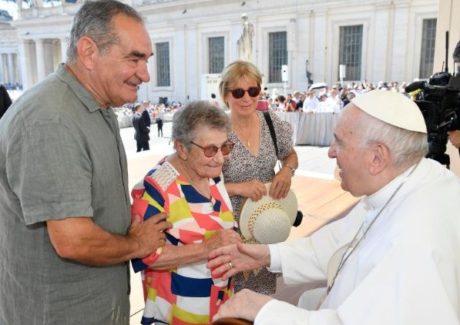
350,48
277,44
216,54
427,52
163,72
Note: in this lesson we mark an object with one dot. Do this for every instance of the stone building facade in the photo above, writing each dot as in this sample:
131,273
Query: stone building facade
376,40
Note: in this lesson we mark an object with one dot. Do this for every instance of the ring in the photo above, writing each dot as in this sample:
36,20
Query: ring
230,265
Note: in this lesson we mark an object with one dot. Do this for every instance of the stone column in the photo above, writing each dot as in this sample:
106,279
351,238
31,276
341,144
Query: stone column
64,44
25,62
39,50
2,80
10,68
19,4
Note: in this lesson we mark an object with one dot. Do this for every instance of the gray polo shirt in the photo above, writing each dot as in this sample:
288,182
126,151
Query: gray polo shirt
61,155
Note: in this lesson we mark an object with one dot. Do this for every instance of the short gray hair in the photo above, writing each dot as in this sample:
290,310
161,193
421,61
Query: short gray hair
188,120
406,147
94,19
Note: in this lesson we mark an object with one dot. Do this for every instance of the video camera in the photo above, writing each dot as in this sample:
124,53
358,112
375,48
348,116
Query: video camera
439,103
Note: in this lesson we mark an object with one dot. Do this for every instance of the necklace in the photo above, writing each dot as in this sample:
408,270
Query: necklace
246,131
355,241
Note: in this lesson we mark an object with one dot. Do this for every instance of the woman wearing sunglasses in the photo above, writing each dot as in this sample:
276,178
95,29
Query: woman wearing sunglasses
254,156
188,186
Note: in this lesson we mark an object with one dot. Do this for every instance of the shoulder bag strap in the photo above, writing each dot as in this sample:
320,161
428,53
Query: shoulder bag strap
269,121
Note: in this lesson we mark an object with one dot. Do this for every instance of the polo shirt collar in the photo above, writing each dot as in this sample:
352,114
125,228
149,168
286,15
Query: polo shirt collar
80,91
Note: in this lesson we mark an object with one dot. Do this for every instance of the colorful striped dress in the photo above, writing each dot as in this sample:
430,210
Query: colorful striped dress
187,294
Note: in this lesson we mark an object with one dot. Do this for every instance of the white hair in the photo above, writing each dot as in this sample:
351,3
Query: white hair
405,146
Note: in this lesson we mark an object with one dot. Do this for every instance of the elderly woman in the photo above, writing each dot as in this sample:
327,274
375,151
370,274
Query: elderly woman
254,156
188,186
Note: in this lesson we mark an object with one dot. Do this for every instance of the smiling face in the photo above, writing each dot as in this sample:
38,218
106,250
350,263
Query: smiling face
119,70
245,105
199,165
353,157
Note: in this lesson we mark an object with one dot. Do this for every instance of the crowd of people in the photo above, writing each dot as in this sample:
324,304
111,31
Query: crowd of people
321,98
69,230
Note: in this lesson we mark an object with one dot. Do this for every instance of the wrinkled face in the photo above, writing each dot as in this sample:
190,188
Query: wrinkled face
206,167
120,70
245,105
352,156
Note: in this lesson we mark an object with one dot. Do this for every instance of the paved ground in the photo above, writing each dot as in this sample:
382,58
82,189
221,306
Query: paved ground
313,161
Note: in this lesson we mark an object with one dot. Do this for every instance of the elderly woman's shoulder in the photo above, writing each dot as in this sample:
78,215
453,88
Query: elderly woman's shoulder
162,175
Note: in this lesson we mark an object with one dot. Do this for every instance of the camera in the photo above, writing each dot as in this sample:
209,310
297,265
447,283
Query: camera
439,101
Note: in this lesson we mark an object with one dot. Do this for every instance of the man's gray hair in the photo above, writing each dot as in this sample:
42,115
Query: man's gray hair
406,147
94,19
188,120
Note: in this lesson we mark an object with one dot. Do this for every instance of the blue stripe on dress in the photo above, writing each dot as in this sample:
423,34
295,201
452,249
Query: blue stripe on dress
191,195
138,265
190,287
153,192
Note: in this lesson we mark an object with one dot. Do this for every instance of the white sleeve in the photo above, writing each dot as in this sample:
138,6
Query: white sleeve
280,312
305,259
275,259
408,286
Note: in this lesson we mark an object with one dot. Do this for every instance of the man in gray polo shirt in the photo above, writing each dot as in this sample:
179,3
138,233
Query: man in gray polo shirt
65,233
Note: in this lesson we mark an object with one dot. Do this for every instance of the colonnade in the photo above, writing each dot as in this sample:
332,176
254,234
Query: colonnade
40,57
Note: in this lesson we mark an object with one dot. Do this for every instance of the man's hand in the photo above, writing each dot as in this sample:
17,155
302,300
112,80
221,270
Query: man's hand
80,239
149,234
244,304
225,262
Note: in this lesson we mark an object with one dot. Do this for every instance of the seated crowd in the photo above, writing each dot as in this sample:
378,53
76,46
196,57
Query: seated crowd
323,98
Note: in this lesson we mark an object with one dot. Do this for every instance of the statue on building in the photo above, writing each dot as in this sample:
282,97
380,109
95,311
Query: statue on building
245,41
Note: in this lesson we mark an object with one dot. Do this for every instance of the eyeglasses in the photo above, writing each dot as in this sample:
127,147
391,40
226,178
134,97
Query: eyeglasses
239,92
211,150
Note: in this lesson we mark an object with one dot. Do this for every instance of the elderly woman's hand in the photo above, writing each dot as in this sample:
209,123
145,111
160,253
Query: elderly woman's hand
222,238
226,261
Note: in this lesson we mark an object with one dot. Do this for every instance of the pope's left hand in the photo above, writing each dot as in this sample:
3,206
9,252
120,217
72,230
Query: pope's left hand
244,304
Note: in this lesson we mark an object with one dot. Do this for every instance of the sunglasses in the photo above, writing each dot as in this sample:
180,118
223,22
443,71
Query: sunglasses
239,92
211,150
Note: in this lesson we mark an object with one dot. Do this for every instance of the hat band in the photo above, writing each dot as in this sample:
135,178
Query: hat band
263,207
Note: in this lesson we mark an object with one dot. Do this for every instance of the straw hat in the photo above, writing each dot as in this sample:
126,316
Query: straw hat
392,108
269,221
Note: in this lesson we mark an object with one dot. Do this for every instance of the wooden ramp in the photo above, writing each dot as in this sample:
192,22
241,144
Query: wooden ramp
321,201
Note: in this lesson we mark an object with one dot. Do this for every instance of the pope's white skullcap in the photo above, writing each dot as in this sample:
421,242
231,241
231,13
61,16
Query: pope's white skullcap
392,108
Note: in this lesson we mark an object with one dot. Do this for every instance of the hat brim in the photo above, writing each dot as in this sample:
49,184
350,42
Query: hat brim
288,204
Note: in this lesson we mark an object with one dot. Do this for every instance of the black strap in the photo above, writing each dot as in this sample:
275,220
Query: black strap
269,121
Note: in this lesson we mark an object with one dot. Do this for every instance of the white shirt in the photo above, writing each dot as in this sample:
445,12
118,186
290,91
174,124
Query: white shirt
310,104
405,271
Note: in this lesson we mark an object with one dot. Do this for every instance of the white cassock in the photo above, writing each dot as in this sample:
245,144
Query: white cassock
405,271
